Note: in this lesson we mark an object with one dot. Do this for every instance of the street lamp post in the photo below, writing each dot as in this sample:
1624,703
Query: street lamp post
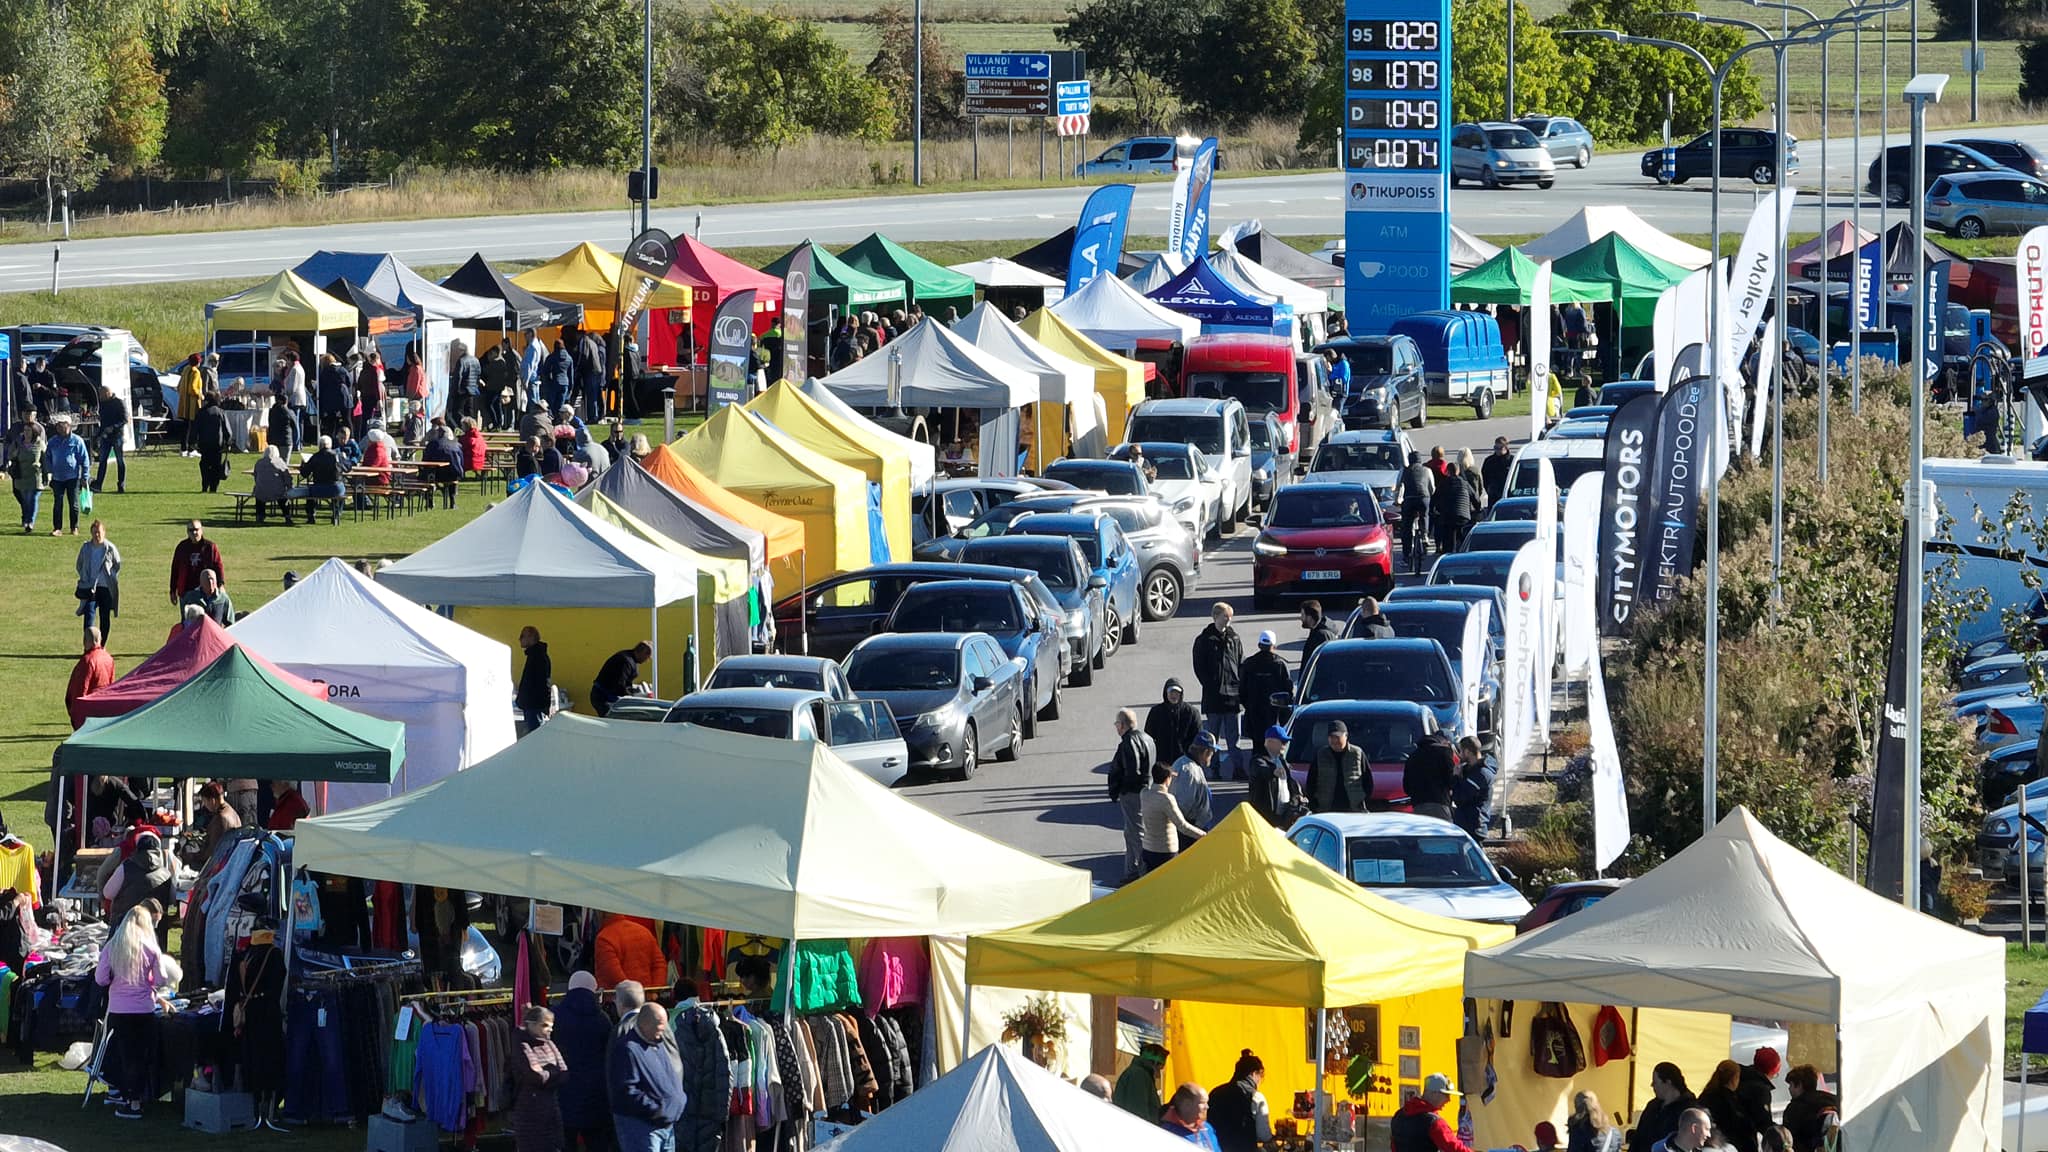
1922,90
646,112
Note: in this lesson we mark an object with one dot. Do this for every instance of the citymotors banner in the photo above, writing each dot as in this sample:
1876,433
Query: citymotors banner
1627,518
1888,833
1099,235
732,352
796,317
1675,485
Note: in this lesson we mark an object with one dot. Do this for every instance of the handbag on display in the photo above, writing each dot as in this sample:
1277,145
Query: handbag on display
1554,1046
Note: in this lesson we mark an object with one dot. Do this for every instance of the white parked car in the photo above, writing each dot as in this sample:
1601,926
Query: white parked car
1418,862
1220,433
1372,457
1182,480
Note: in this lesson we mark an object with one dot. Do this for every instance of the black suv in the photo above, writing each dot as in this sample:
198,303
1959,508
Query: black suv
2014,154
1745,152
1387,386
1894,168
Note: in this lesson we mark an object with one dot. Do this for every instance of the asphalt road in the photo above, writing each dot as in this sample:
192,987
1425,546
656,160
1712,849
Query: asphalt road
1296,205
1053,801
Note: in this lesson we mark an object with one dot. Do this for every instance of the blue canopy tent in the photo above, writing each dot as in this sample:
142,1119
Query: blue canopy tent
1204,294
2033,1042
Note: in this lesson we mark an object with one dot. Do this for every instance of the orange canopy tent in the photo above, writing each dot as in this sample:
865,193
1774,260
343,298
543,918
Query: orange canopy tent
785,537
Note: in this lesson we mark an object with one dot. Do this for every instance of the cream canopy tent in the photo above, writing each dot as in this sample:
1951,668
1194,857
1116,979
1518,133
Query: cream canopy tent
1469,251
779,837
1117,316
937,368
1154,272
1068,384
1742,923
996,272
384,656
1240,269
1590,224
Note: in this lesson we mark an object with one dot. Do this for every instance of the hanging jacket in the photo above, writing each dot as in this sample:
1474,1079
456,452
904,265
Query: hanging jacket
583,1033
1218,654
707,1079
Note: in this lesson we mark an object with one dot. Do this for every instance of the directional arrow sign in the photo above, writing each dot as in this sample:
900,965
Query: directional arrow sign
1074,98
1008,84
1009,65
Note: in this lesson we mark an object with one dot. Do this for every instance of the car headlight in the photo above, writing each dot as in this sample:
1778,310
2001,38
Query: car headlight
1503,163
1371,548
928,720
1998,828
1266,546
1262,474
1184,503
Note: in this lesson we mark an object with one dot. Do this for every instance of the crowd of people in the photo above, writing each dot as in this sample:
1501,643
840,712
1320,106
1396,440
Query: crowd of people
1440,498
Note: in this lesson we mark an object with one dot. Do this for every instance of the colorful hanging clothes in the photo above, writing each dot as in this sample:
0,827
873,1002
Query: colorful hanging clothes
822,977
893,972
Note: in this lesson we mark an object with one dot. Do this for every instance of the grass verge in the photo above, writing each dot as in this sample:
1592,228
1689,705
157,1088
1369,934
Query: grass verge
2026,977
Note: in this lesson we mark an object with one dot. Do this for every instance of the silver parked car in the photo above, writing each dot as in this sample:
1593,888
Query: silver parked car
1567,140
955,695
1973,204
1496,153
772,670
861,732
1169,555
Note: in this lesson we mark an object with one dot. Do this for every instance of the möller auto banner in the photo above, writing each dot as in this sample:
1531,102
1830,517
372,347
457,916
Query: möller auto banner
1627,516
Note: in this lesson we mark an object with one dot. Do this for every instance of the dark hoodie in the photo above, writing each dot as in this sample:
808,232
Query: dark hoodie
1171,726
1373,627
1263,675
536,679
1218,654
584,1034
1324,631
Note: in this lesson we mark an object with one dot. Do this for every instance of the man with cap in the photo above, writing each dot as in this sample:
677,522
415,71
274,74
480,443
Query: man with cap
1262,676
1272,789
1337,779
1137,1089
1190,784
1755,1091
1420,1127
1172,723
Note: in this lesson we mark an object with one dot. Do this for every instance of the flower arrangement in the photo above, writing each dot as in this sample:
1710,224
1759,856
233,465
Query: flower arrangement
1041,1025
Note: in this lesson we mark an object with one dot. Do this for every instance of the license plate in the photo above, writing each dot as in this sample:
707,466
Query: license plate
1323,574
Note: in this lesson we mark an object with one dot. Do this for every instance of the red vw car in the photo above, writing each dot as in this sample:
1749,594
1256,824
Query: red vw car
1323,540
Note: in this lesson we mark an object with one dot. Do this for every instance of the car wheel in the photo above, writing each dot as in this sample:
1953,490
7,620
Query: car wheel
1584,157
1895,195
1484,404
1112,636
1135,627
1761,173
1487,178
1545,184
1228,527
1162,594
1968,228
1680,179
969,753
1421,416
1051,711
1083,674
1030,709
1015,743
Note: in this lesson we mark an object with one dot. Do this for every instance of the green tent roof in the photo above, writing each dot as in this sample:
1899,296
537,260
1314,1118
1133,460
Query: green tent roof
1627,273
1507,277
834,281
930,284
237,720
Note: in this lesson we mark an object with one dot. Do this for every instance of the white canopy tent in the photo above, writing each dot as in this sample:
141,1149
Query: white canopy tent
1154,272
1469,251
1250,274
384,656
780,837
997,1101
937,368
1742,923
997,272
1591,223
1060,380
924,459
1117,316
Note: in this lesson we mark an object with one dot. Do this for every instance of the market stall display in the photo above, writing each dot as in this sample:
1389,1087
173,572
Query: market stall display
885,465
936,368
933,287
740,452
590,276
732,569
191,649
1117,316
1066,388
782,538
1119,382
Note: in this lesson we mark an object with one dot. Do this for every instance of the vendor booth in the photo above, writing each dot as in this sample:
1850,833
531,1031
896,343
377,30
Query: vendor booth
1116,316
934,367
1248,936
591,588
379,317
933,287
712,276
289,310
782,538
1311,305
1206,295
1508,278
1588,225
1009,285
924,459
439,310
839,288
1742,923
886,466
1807,260
741,453
191,649
1065,412
1155,270
1119,382
731,560
382,655
524,310
590,276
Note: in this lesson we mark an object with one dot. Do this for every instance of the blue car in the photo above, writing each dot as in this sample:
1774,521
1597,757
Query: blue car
1111,557
1004,611
1413,670
1444,622
1064,572
1489,568
1496,620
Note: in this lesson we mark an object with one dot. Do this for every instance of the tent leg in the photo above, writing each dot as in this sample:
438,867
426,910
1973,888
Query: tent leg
654,641
2022,1140
803,589
1322,1102
966,1020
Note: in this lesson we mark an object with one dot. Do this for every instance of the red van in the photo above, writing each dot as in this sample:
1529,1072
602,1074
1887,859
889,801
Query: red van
1256,371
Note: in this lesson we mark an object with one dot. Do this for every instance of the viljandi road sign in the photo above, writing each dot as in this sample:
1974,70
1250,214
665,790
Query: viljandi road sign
1009,65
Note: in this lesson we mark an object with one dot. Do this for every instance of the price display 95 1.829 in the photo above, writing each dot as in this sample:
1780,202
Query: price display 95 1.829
1395,83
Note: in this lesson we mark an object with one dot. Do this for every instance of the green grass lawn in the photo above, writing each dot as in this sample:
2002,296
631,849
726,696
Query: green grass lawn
1515,405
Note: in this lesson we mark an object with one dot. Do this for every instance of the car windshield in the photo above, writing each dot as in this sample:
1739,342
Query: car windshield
1469,570
1115,479
728,676
902,670
1294,508
1368,675
1383,739
1446,628
1370,359
1257,391
1565,468
1054,565
1369,456
1129,517
935,609
1511,138
1417,862
1500,535
770,722
1089,549
1204,432
1262,436
996,520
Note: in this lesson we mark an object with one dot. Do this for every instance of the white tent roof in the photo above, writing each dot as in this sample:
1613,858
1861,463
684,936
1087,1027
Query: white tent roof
1263,281
1060,380
1116,315
996,272
1742,923
997,1101
1469,251
924,458
1590,224
1157,269
940,370
779,837
539,550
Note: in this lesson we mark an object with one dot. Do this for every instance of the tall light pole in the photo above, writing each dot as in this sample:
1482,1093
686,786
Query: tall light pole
917,95
1856,231
1509,95
646,113
1922,90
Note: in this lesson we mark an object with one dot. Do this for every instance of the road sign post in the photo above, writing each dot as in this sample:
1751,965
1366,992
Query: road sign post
1008,84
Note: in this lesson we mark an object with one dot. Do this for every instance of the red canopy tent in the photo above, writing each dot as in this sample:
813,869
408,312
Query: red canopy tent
712,276
189,651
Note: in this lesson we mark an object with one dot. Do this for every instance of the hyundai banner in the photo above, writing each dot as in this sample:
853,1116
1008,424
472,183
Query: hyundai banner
732,336
1099,235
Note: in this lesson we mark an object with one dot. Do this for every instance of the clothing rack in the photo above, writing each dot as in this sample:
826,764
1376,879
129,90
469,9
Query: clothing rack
471,998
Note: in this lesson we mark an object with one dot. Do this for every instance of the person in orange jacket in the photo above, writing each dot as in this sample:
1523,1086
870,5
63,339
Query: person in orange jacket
626,950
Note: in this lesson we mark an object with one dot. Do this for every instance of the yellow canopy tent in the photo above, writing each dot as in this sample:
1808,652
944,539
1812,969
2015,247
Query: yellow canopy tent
741,453
784,537
1244,920
590,276
815,427
283,303
719,580
1118,380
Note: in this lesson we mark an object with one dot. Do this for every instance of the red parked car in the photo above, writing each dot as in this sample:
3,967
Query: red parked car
1323,540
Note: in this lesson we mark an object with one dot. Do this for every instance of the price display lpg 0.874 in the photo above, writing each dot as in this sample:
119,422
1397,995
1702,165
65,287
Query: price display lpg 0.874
1402,75
1399,112
1392,35
1394,153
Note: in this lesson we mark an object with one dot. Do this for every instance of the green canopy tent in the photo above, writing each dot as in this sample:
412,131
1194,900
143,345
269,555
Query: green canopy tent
1507,277
237,719
834,282
934,287
1632,279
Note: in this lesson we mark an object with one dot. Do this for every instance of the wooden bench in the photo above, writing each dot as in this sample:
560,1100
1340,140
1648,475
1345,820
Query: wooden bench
245,501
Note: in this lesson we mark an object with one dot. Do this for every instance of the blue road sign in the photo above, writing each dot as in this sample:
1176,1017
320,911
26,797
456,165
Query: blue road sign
1009,65
1074,98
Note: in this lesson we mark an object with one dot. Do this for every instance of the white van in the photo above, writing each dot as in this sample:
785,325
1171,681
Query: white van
1219,430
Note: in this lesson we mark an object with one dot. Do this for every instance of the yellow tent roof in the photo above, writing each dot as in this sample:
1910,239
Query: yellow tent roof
1120,381
1240,917
815,427
589,275
740,452
283,303
785,537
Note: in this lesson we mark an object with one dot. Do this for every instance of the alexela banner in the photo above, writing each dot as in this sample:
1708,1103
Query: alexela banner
2033,289
648,258
1188,227
1675,485
1627,516
1099,235
1539,350
796,317
732,335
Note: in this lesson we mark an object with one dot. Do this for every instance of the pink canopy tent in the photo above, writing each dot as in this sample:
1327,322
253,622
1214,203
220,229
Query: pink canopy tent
190,651
712,276
1843,236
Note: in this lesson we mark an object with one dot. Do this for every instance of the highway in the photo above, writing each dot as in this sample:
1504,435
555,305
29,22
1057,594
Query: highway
1303,204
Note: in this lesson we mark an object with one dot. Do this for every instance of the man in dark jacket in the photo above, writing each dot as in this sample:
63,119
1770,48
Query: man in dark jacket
501,377
1218,656
590,375
1428,775
465,383
1659,1118
1130,773
1372,623
336,395
644,1085
1452,507
1494,471
584,1034
536,694
1755,1090
213,438
1171,724
1338,780
1272,790
1237,1110
1262,676
1320,628
1806,1113
113,427
1472,789
281,431
618,675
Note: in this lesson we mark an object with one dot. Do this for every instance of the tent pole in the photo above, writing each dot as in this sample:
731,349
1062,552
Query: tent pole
966,1020
2021,1139
654,641
1322,1102
803,591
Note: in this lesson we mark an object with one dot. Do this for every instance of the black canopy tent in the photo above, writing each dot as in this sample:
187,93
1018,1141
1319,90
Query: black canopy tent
523,309
378,315
1898,250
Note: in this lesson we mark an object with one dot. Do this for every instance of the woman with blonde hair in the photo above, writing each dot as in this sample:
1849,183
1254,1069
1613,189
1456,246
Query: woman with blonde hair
1589,1129
136,974
1468,471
